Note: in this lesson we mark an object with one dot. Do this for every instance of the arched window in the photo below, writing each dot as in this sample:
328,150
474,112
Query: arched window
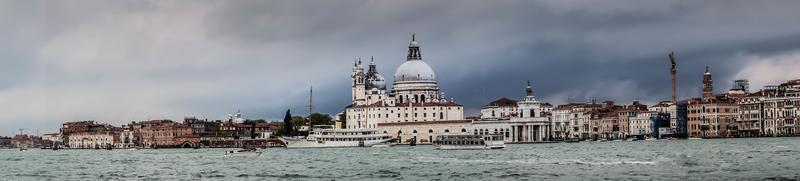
463,130
416,98
415,131
446,130
430,131
422,98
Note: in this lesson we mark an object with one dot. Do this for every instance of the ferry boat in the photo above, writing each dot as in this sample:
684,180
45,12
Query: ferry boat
469,142
327,137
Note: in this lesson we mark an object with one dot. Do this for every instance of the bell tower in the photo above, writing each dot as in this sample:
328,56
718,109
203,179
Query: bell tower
359,84
708,85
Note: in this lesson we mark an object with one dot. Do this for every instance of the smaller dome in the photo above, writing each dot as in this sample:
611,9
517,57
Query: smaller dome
413,44
377,81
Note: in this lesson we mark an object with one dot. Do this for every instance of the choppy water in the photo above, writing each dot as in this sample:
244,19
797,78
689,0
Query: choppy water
721,159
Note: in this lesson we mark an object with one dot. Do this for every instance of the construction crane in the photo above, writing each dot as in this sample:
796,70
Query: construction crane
673,71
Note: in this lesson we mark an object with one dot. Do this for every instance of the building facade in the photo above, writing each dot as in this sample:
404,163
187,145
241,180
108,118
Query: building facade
530,123
414,98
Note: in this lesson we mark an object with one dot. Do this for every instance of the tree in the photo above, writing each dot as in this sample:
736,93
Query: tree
288,129
343,118
254,121
298,121
320,119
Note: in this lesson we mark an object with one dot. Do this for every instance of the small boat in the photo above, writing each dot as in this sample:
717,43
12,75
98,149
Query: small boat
469,142
382,146
695,138
243,153
23,146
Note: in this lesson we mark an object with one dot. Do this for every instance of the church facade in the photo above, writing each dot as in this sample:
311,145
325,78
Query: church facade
414,104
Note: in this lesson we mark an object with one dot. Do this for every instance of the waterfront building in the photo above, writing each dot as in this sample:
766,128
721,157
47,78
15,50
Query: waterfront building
530,123
93,139
576,118
608,124
772,111
667,107
414,100
503,108
75,127
52,137
660,125
6,142
751,114
424,132
88,134
712,116
165,133
640,124
561,122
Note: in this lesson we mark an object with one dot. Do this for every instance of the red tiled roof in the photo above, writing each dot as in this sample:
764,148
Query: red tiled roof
502,102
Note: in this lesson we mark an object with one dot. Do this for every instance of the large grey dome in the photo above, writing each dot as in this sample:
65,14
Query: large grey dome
414,70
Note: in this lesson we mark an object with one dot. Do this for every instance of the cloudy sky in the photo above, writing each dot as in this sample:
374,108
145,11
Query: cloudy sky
120,61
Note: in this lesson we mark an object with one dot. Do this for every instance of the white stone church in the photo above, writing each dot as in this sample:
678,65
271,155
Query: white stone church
413,110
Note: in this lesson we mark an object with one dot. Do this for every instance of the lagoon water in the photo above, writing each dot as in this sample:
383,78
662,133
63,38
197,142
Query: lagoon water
714,159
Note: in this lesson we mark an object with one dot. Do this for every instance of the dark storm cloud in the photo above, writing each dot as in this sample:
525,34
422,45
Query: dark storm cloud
124,60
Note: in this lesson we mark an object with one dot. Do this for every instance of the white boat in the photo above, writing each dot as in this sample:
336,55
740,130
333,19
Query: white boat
382,146
243,153
327,137
469,142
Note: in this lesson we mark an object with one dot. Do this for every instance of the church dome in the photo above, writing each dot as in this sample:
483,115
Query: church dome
377,81
414,70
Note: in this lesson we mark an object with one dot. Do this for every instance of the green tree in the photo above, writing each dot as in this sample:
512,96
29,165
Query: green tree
248,122
298,121
343,118
320,119
288,129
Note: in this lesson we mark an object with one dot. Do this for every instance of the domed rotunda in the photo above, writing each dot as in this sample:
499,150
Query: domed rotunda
414,80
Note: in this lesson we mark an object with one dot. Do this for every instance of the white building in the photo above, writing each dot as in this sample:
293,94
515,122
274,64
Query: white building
531,122
503,108
414,99
91,139
640,125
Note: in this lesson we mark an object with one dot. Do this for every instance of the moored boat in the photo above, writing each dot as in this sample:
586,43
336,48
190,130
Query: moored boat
469,142
327,137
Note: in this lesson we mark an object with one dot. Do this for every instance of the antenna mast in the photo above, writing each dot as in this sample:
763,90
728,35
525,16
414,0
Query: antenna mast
311,101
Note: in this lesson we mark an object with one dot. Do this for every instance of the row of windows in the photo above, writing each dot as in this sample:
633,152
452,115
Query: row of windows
404,108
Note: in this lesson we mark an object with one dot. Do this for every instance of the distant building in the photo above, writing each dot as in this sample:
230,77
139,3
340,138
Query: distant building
712,116
740,86
530,121
166,133
503,108
772,111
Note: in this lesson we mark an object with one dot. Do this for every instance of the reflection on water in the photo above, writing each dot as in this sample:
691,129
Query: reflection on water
758,158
